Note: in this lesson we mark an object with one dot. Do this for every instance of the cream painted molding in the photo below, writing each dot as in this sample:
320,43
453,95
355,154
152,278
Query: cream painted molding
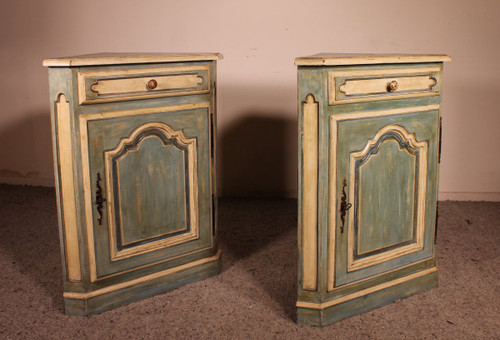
65,162
131,84
113,288
86,172
358,294
418,244
193,192
310,193
332,219
413,82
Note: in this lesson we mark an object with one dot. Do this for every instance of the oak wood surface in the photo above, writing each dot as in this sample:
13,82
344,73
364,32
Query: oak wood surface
335,59
108,58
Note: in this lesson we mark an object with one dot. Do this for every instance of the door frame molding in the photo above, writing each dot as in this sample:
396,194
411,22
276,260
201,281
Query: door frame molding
334,119
87,183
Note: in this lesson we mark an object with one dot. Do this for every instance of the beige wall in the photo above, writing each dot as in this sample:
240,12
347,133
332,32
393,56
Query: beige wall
257,79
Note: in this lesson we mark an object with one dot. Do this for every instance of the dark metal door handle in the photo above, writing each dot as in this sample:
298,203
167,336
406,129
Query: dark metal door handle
344,206
99,200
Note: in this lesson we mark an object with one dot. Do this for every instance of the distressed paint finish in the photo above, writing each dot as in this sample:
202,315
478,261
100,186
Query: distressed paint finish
367,85
193,137
155,157
122,83
140,174
389,174
66,161
386,199
310,198
385,146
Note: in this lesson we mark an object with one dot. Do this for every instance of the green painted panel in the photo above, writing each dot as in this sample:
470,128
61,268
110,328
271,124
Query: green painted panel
151,178
102,132
353,136
386,198
388,190
366,303
104,135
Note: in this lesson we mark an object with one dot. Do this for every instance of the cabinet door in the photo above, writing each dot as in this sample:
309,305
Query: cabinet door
147,186
384,172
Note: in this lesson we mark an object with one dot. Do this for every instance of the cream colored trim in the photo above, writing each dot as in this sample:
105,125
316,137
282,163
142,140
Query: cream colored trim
332,216
310,111
193,191
382,72
129,58
126,85
357,282
387,97
87,193
422,147
364,292
136,83
334,59
375,89
156,263
87,184
379,85
143,111
166,272
332,206
68,201
367,114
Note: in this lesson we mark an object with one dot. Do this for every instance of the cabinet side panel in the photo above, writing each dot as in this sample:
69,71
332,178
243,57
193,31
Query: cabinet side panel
66,169
67,190
310,193
310,221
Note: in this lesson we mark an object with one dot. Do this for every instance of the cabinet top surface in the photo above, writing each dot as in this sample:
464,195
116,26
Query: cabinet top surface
128,58
334,59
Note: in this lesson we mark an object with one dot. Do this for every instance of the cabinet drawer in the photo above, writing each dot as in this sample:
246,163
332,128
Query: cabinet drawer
374,85
132,84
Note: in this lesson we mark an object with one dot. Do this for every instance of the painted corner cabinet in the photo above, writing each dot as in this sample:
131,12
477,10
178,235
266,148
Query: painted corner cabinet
369,152
134,158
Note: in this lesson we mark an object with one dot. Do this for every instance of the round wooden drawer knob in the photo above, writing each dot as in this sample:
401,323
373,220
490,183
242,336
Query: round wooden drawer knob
152,84
392,86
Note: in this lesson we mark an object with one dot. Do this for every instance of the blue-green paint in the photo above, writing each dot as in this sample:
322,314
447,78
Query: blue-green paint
386,193
153,177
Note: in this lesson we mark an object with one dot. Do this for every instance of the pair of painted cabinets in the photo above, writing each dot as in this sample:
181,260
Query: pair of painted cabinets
134,155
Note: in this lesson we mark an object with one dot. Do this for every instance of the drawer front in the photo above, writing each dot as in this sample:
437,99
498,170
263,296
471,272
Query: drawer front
374,85
132,84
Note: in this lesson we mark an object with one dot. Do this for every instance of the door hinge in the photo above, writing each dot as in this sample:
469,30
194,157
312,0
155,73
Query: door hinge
440,135
436,224
214,214
212,137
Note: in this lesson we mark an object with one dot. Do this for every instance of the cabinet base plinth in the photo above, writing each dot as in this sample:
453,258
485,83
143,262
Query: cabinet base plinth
98,301
322,314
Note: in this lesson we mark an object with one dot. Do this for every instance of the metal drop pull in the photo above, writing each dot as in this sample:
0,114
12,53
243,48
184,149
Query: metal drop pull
152,84
392,86
99,200
344,206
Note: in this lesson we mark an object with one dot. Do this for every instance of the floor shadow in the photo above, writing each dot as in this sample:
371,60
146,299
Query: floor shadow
29,241
28,217
255,156
259,236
